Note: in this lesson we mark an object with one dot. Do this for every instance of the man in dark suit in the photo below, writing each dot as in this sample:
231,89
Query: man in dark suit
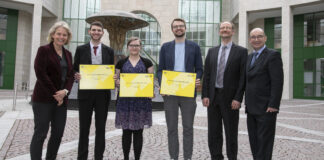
184,56
93,52
222,92
264,84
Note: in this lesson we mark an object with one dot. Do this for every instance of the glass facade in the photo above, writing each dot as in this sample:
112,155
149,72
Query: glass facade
308,52
314,77
150,36
272,28
314,29
8,41
3,23
75,13
308,56
202,18
3,33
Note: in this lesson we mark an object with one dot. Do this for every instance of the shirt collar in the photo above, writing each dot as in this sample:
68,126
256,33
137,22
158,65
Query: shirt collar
91,45
260,50
228,45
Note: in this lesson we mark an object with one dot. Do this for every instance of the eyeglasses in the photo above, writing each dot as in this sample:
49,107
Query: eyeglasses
134,45
178,26
222,28
257,37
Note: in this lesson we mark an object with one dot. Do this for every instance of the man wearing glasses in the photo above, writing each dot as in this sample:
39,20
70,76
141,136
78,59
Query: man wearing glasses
222,93
264,84
184,56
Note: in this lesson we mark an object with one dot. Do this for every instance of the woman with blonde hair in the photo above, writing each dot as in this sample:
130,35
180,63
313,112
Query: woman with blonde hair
53,68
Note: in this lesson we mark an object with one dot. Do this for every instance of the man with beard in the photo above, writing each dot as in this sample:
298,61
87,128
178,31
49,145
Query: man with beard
222,93
184,56
93,52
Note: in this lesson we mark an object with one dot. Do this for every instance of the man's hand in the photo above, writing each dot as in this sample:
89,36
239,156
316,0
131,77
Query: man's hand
205,102
197,83
236,105
162,94
77,76
270,109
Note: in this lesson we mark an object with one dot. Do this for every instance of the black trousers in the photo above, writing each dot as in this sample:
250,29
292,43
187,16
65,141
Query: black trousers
221,112
46,114
137,142
98,103
261,129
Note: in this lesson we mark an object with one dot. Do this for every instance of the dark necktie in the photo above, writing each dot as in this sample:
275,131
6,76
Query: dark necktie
221,68
95,50
254,58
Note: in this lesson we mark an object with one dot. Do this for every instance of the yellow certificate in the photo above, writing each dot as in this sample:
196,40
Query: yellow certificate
136,85
178,83
97,77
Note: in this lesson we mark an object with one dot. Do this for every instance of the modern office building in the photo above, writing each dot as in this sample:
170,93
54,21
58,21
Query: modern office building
295,27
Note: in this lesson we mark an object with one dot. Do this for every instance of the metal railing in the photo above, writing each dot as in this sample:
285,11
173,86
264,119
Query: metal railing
24,86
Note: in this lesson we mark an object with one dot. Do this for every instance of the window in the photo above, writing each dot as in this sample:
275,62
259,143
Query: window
277,33
2,54
75,13
314,77
3,23
314,29
150,36
202,18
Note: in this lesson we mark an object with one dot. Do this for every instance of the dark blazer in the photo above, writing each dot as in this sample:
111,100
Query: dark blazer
83,56
193,60
264,82
234,74
48,72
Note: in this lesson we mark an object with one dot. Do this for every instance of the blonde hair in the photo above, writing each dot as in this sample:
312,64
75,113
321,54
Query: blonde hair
57,25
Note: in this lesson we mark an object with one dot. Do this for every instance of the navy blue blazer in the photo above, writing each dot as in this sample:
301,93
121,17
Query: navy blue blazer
193,60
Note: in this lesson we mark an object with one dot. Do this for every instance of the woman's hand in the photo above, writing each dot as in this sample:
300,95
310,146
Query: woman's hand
59,96
116,78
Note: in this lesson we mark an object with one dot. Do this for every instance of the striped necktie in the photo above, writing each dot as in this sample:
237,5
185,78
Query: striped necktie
221,68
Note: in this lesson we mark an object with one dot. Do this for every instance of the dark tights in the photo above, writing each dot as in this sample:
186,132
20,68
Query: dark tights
137,142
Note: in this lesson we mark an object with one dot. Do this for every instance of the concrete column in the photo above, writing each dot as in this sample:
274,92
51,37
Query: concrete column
287,50
243,28
35,41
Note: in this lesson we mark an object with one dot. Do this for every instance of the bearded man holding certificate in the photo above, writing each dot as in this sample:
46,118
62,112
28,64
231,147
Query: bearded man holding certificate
91,100
184,56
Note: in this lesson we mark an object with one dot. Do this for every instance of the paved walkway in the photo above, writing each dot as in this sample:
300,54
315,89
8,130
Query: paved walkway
299,134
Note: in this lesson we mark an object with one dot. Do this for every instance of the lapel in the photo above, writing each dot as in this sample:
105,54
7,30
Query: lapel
187,49
258,61
54,54
172,54
88,53
215,57
68,60
249,62
230,56
103,54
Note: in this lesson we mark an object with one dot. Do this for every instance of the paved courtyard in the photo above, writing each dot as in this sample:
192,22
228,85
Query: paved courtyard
299,134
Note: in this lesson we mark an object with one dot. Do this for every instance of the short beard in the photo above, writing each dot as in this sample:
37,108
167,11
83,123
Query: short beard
180,36
95,39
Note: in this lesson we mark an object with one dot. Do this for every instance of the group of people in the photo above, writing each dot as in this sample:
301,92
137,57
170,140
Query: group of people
228,71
